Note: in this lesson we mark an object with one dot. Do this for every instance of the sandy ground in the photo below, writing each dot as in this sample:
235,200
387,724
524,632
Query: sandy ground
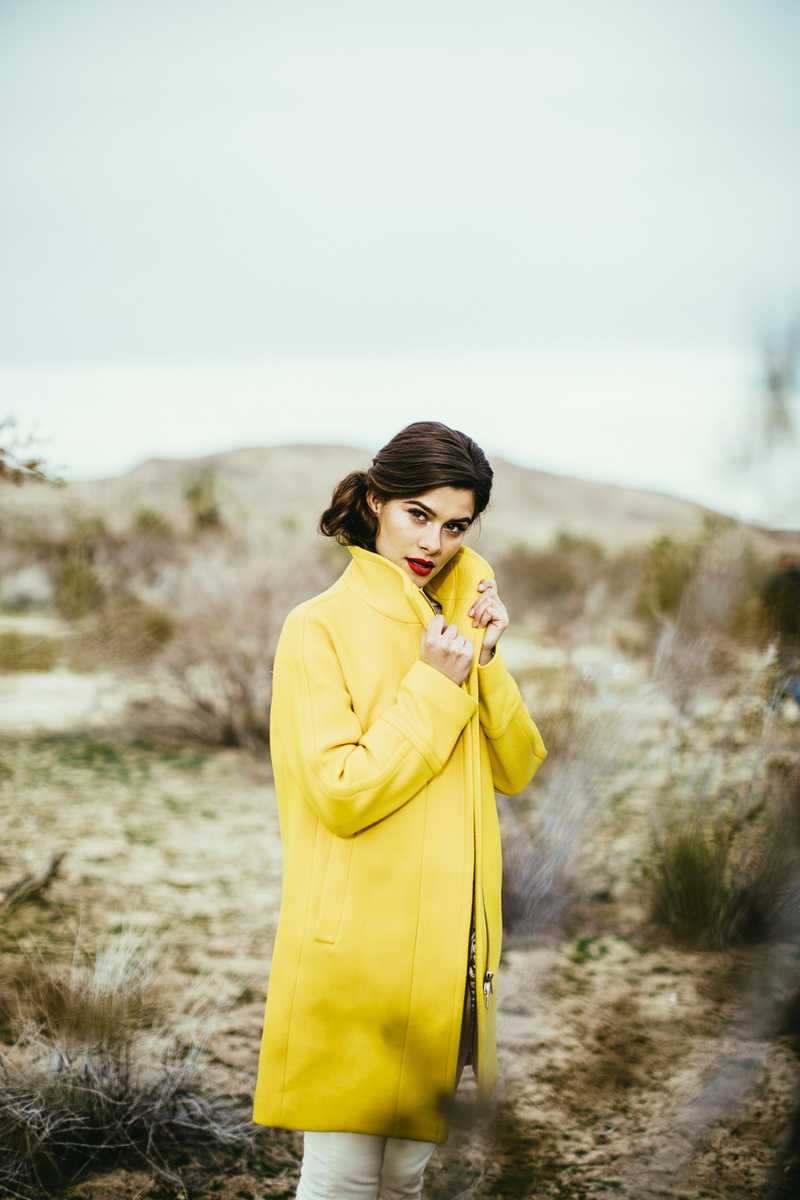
605,1035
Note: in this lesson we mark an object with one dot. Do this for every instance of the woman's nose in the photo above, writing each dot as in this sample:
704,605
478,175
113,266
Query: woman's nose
430,541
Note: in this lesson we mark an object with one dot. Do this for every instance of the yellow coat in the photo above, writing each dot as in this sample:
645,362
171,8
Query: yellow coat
385,772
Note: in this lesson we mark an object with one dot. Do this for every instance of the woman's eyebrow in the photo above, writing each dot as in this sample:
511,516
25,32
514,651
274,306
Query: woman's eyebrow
431,513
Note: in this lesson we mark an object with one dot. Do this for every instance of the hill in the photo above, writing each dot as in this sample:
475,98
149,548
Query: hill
287,487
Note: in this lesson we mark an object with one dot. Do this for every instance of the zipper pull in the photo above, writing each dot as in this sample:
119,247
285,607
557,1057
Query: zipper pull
487,986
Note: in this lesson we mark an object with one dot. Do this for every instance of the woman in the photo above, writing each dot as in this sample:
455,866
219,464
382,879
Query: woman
393,721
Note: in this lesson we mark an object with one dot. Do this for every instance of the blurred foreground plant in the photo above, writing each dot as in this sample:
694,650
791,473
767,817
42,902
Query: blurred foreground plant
18,463
102,1075
702,598
545,832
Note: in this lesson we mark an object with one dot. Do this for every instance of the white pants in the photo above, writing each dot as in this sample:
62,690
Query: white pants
359,1166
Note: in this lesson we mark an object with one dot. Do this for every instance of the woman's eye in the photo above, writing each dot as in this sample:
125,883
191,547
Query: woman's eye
455,529
417,515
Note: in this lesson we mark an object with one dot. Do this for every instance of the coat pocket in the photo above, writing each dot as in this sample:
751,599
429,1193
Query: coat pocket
333,889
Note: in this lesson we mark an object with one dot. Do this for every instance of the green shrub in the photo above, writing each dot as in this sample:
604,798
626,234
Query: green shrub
28,652
201,496
717,883
668,566
569,565
725,839
554,583
152,523
78,589
711,580
125,631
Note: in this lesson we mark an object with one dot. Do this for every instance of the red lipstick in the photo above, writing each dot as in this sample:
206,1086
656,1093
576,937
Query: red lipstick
420,566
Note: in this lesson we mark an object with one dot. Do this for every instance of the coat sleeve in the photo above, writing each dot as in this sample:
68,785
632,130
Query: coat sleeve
350,776
516,750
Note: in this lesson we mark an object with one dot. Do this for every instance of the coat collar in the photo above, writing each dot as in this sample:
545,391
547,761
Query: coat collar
385,587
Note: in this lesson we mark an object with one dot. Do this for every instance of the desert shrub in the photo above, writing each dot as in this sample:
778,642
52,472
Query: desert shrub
214,681
668,565
566,584
725,836
201,495
28,652
100,1074
87,563
126,632
137,558
78,589
563,570
130,557
713,578
151,522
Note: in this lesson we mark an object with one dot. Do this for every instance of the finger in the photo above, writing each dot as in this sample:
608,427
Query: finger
485,585
485,610
436,625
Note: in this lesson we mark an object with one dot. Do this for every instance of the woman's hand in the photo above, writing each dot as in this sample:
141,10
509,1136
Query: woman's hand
489,612
444,648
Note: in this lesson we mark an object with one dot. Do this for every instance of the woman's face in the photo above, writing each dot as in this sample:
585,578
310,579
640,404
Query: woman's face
421,535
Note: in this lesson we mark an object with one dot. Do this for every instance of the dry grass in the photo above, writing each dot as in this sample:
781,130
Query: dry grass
213,683
725,830
28,652
101,1074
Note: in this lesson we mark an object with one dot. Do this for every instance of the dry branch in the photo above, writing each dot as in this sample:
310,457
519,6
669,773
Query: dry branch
32,884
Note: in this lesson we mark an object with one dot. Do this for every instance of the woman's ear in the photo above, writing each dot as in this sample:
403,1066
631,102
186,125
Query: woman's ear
374,503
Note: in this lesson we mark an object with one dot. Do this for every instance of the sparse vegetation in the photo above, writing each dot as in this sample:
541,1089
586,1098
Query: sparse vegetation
561,582
28,652
202,497
650,872
126,633
725,842
101,1074
78,589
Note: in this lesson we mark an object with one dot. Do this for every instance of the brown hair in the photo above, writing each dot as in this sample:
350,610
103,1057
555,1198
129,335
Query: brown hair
420,458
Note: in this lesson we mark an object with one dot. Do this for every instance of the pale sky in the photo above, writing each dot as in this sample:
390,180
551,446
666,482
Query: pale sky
564,226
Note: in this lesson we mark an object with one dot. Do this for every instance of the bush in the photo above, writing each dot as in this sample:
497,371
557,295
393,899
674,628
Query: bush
214,682
101,1076
126,632
28,652
201,496
565,584
711,581
566,568
725,839
150,522
78,589
668,566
